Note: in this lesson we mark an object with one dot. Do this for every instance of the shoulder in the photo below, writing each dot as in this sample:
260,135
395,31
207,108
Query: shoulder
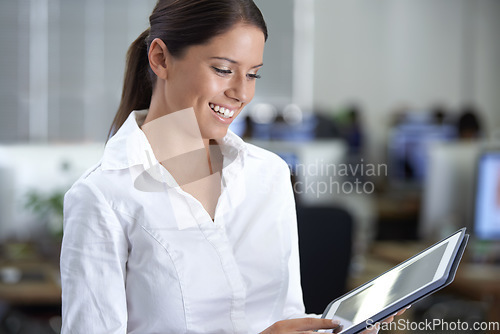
98,185
85,189
270,159
267,167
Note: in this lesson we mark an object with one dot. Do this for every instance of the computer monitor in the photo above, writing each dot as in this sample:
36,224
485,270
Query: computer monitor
408,146
486,223
448,188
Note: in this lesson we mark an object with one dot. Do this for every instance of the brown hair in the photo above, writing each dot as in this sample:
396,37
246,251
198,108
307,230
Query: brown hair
179,24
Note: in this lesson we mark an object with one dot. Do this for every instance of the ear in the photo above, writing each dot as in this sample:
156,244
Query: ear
157,55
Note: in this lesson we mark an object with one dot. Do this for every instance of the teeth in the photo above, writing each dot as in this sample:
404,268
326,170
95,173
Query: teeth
224,112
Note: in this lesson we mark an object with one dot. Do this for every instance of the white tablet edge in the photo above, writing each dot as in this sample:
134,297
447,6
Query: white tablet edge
450,252
451,249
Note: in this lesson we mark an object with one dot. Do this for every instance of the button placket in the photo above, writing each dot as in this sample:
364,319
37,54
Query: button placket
218,238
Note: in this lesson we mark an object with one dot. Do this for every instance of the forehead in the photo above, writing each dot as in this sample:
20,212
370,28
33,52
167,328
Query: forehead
242,43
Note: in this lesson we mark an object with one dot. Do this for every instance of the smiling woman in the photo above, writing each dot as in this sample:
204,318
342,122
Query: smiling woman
182,227
220,73
178,25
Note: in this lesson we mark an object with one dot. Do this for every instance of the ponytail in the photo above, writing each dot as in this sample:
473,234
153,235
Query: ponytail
179,24
137,87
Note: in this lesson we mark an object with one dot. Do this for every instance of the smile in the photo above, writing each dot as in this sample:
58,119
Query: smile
221,111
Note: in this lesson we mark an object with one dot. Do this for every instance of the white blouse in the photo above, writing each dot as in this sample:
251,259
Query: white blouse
140,255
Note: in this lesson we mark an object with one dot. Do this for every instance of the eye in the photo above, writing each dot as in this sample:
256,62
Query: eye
253,76
221,71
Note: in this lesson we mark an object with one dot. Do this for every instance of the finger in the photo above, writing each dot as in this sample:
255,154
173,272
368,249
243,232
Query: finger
306,324
400,312
338,329
403,310
375,328
389,319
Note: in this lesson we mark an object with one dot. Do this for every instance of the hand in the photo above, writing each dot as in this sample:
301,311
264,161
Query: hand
376,327
302,325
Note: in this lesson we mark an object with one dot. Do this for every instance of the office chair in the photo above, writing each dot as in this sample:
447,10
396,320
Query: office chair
325,246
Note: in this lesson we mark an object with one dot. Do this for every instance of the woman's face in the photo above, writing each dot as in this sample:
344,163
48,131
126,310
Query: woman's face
216,79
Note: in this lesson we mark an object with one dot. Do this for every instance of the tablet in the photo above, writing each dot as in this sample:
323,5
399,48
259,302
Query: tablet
403,285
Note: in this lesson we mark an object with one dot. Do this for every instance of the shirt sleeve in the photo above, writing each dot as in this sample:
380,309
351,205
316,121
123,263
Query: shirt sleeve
294,304
93,264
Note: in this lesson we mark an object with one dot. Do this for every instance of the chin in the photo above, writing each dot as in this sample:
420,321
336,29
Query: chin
215,134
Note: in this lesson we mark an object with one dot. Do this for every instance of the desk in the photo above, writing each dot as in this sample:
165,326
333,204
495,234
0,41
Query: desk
474,281
39,287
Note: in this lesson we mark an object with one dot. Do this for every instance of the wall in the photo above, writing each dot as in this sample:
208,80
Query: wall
277,76
62,62
385,54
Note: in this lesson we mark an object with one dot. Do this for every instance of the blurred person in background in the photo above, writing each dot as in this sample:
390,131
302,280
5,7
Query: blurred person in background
468,124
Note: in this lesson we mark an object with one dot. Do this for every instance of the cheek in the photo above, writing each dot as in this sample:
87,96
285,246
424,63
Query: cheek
205,89
214,87
197,90
251,94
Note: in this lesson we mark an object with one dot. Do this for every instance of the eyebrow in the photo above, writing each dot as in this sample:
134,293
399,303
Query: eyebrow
234,61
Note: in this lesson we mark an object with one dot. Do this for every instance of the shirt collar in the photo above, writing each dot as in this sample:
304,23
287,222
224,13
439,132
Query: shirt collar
130,147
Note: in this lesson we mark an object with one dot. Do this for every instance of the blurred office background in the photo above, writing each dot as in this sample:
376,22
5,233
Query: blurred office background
387,112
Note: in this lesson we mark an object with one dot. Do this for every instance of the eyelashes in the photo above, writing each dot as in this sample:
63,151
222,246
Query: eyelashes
223,72
254,76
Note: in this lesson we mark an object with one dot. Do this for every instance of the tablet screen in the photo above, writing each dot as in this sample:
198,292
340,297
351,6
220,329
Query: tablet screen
393,286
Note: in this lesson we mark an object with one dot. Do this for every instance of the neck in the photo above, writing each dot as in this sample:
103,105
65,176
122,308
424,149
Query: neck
207,150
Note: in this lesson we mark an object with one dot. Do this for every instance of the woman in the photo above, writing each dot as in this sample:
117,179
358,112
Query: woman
182,227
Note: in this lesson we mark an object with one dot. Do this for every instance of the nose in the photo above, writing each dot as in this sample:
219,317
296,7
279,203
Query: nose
241,89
